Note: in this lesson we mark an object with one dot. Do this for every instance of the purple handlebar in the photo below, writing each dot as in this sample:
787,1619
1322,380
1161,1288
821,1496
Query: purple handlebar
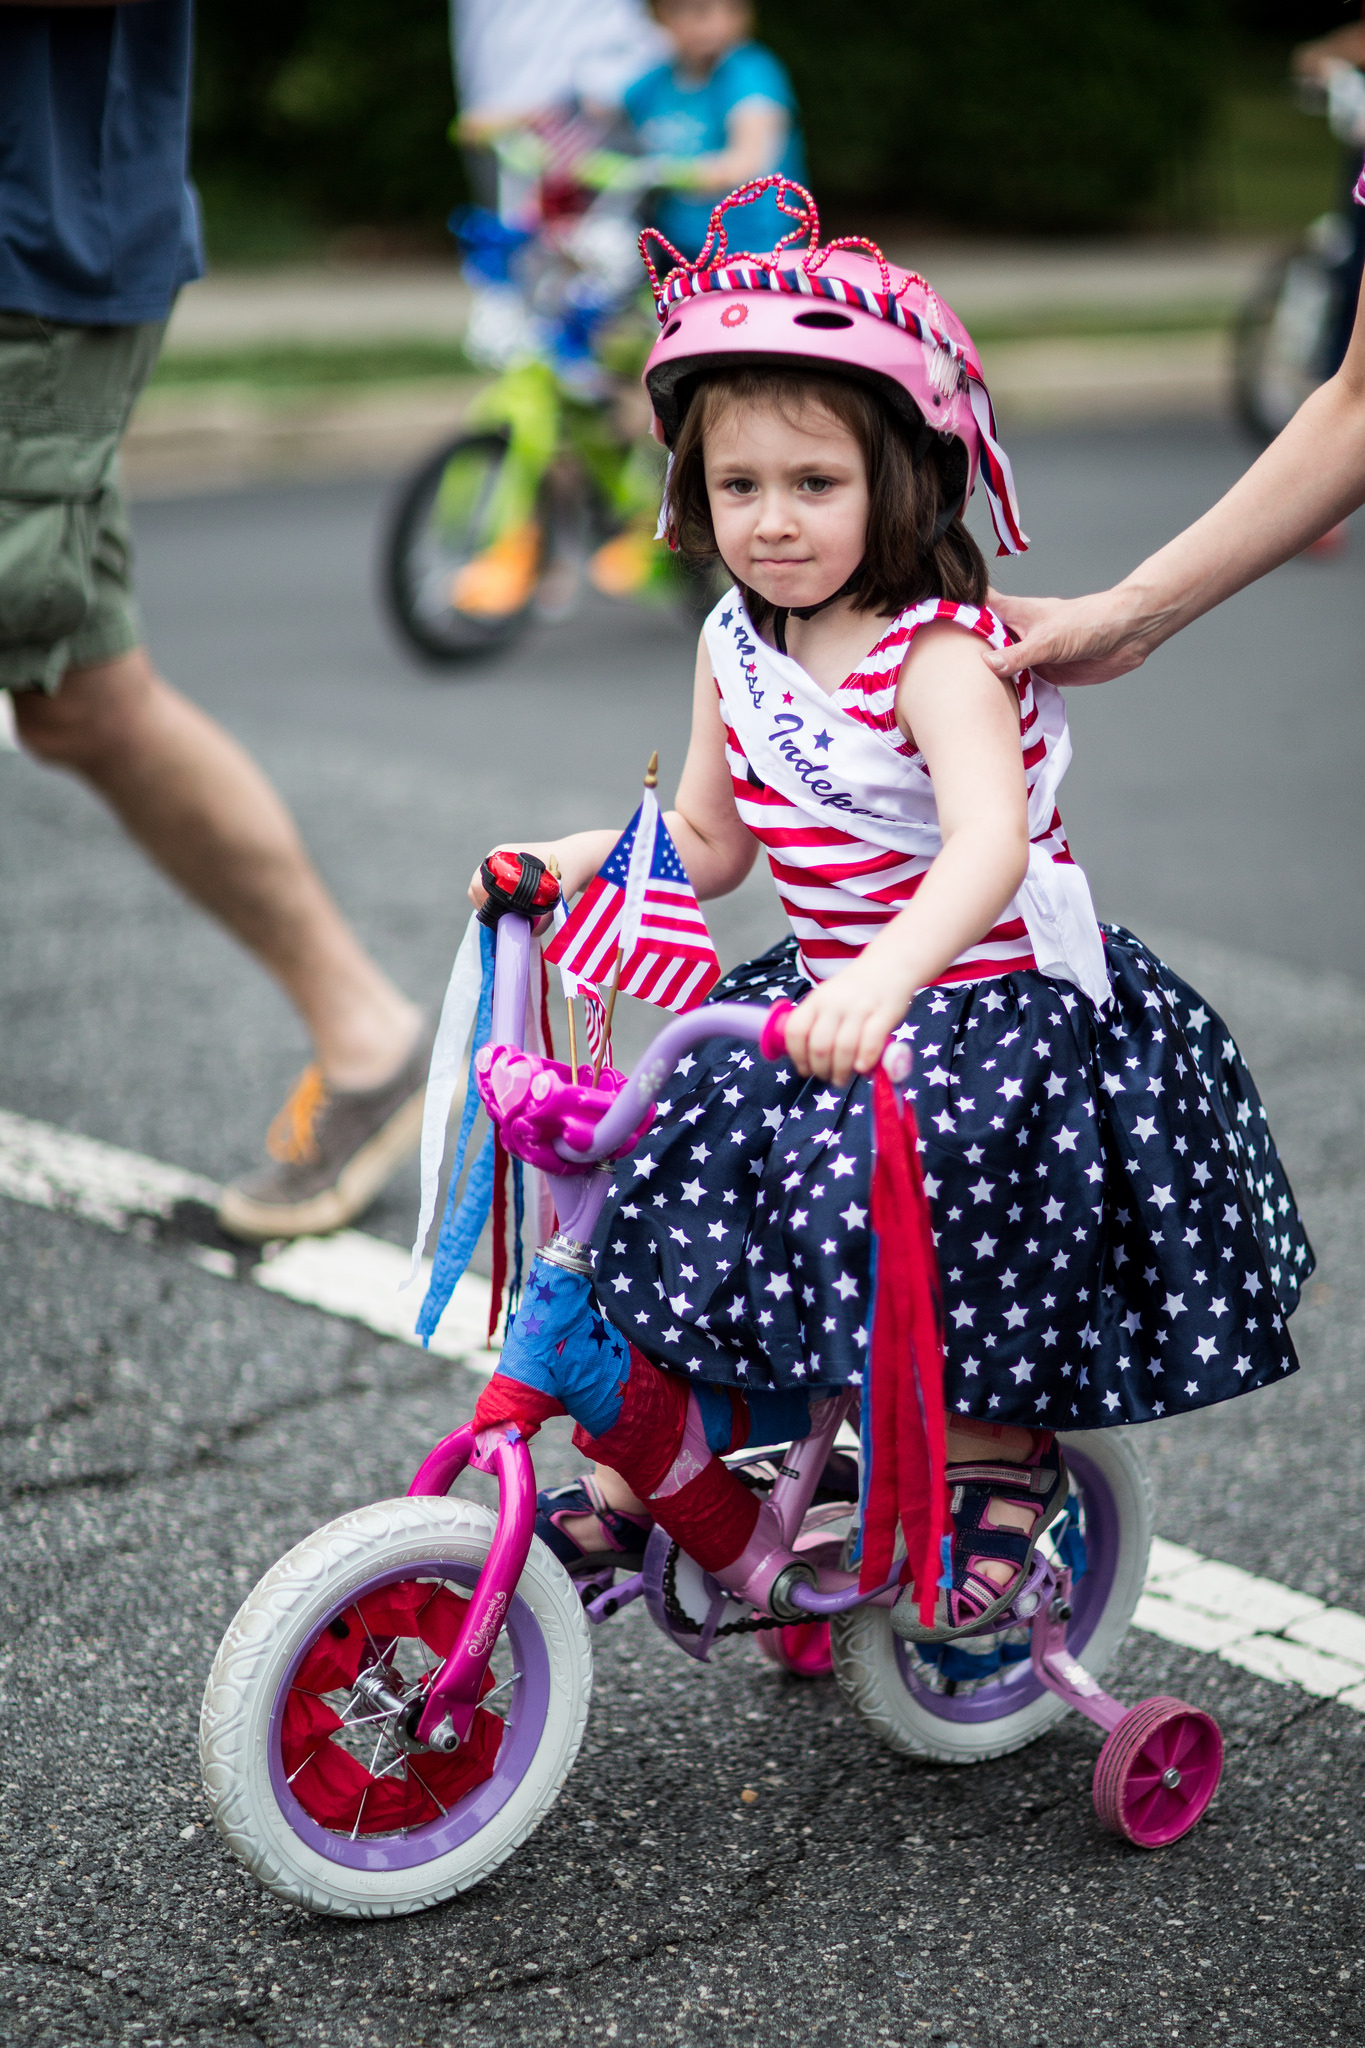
760,1027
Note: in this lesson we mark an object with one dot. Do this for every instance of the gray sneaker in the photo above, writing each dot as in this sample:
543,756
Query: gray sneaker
331,1152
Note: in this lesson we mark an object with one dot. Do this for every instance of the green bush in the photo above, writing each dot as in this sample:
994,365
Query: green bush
324,112
1020,114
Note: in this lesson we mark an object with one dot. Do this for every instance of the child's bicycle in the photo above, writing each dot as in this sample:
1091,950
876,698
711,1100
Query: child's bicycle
396,1705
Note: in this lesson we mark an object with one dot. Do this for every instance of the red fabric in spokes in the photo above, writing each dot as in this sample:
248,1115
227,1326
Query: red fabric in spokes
333,1787
907,1483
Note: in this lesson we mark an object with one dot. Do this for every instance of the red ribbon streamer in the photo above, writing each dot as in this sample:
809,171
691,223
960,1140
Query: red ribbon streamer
907,1483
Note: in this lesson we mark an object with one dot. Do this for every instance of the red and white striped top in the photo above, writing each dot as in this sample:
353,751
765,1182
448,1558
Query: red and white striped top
837,889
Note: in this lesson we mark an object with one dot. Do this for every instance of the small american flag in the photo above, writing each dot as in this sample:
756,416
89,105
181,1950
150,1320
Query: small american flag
595,1016
651,913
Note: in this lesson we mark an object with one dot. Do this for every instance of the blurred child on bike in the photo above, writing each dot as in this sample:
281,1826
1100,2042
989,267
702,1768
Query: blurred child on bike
721,111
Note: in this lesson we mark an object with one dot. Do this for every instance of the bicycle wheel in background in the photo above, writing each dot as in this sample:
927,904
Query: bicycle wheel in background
1281,337
456,587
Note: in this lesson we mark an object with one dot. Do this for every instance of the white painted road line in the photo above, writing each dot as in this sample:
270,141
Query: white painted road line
55,1169
349,1274
1257,1624
352,1275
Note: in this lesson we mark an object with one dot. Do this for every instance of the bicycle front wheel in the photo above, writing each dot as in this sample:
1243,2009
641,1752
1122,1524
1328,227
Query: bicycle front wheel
315,1780
459,577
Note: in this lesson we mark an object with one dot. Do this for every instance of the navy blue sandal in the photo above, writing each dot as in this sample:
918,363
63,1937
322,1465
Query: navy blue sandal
623,1536
974,1600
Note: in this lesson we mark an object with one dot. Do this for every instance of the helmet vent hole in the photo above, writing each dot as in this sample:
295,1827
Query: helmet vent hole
823,320
671,328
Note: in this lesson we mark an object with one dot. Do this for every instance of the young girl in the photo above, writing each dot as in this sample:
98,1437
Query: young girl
1116,1236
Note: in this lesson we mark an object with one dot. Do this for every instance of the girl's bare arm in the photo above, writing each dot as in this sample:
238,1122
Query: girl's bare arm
966,723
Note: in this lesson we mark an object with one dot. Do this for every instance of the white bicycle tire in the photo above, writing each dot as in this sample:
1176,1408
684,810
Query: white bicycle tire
284,1612
864,1645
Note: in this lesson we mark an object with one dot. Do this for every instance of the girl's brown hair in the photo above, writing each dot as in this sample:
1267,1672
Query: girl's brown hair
903,562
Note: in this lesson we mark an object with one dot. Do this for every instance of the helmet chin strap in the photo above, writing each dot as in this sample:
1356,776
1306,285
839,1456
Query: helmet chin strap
808,611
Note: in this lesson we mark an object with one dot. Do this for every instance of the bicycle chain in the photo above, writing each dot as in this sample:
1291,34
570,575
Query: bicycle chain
683,1624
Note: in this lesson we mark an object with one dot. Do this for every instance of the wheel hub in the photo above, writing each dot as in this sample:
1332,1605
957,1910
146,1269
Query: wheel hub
1170,1778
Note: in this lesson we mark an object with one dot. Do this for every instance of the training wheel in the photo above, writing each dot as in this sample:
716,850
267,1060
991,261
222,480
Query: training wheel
802,1649
1157,1772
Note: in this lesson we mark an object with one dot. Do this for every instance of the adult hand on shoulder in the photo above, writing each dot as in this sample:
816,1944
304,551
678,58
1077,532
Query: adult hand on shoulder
1069,640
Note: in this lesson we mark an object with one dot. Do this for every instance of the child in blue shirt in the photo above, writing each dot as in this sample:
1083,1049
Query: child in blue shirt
724,107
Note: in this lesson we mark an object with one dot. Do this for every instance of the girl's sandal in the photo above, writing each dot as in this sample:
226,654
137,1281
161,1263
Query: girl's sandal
974,1600
626,1535
623,1536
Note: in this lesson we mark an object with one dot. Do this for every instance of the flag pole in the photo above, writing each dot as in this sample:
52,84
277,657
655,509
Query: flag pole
573,1042
651,782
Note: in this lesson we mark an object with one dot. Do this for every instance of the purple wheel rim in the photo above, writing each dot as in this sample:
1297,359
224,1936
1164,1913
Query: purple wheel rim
1019,1687
525,1724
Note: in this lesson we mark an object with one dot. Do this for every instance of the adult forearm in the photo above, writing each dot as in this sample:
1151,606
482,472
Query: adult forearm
1311,476
1308,479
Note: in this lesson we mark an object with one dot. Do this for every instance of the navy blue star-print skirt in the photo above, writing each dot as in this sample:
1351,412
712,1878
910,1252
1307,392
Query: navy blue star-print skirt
1116,1235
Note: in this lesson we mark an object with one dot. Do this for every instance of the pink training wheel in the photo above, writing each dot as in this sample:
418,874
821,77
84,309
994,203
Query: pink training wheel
1157,1772
803,1649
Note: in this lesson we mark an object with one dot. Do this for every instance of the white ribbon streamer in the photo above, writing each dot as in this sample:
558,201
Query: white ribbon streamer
446,1076
568,982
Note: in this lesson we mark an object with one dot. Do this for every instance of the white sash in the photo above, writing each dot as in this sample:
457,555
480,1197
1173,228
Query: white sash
839,772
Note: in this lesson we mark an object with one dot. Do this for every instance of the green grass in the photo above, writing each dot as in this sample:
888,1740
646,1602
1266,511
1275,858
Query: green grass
287,368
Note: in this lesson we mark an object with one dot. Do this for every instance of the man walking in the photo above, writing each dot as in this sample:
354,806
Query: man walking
98,231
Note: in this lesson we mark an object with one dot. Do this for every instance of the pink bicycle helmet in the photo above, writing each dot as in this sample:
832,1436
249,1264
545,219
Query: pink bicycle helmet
842,307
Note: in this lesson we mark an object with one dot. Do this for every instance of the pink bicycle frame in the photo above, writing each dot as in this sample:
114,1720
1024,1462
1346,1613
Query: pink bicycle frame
579,1193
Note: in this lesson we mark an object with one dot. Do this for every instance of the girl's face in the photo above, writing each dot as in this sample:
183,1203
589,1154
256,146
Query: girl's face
789,500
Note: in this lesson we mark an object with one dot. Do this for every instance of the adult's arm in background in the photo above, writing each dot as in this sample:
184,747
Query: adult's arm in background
1310,477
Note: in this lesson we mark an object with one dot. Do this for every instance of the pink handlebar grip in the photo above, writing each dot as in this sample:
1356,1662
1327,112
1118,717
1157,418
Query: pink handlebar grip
772,1042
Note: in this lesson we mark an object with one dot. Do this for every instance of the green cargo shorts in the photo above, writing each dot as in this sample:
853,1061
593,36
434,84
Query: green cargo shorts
66,555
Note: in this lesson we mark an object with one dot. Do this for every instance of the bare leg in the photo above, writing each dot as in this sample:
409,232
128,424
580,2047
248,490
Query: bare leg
586,1530
211,821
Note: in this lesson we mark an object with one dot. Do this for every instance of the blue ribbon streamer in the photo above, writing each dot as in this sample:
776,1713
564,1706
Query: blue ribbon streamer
518,1227
463,1221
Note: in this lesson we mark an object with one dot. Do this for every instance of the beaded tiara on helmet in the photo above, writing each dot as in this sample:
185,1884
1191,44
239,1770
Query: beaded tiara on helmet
840,307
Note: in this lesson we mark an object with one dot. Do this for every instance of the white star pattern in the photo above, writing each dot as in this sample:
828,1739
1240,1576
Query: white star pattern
1140,1244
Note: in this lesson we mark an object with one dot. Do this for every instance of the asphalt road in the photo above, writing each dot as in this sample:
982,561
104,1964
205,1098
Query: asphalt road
166,1434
